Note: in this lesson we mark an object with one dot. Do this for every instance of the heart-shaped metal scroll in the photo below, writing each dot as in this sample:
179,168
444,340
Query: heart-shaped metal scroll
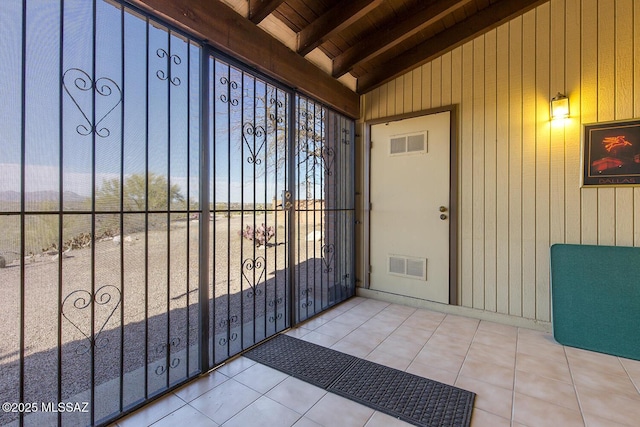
327,257
253,271
76,308
106,92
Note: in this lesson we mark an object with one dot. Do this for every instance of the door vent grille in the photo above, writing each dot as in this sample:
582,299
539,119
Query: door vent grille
416,143
414,268
398,145
397,265
408,144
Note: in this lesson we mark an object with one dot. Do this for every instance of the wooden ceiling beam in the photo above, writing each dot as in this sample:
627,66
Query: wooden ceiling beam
221,27
260,9
332,22
477,24
421,17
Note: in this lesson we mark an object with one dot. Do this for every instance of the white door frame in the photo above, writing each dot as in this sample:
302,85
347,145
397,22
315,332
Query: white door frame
453,194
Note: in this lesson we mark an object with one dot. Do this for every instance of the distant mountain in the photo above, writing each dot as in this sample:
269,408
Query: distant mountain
9,196
40,196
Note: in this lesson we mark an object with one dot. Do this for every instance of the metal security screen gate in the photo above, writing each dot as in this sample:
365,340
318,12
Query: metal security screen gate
250,241
282,209
99,182
162,209
324,209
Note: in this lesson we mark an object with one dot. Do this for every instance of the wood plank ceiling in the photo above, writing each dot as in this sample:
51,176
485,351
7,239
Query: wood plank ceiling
377,40
335,50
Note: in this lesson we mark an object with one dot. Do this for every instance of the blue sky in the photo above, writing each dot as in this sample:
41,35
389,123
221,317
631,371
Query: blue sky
166,124
171,123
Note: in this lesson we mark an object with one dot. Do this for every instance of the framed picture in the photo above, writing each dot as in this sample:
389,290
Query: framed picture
611,154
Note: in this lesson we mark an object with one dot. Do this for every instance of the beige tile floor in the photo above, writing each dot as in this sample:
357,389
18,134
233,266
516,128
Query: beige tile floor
521,377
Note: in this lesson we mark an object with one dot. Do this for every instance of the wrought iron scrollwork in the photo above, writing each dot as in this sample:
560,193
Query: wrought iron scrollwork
328,155
274,303
227,99
167,347
249,130
327,257
253,271
278,316
76,81
275,116
305,294
277,301
170,59
107,297
346,136
227,322
230,338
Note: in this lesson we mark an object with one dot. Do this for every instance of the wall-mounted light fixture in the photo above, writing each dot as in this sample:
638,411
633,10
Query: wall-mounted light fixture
559,107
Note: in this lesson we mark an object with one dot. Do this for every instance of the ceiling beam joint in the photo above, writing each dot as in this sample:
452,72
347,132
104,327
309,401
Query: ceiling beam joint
421,17
445,41
332,22
233,34
260,9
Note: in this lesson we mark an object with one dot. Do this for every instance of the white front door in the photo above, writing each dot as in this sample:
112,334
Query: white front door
409,218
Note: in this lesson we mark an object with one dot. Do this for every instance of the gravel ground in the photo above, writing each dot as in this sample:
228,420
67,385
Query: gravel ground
243,290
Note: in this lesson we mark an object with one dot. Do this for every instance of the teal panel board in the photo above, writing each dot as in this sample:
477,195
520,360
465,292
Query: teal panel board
595,298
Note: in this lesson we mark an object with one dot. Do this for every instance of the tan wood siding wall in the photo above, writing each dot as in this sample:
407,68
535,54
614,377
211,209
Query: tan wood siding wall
519,173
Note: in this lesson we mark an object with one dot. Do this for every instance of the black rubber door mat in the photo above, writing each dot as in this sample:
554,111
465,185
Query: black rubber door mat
411,398
309,362
414,399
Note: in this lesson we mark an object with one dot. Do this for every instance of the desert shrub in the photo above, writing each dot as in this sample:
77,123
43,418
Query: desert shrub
260,236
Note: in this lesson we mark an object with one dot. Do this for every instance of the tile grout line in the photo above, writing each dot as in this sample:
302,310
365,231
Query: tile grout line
575,388
636,385
467,352
515,372
430,336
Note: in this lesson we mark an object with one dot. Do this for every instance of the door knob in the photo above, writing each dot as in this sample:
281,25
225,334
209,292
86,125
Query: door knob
443,217
443,209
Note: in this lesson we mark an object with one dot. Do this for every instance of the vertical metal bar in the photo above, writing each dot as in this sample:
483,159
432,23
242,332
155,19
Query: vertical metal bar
255,285
122,293
296,205
188,247
228,320
275,204
288,289
241,208
213,240
324,141
286,105
61,200
168,302
264,208
146,217
203,249
298,148
323,205
352,188
23,143
93,217
306,210
314,166
291,166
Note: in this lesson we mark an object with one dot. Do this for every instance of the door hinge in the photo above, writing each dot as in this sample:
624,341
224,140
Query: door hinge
370,269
